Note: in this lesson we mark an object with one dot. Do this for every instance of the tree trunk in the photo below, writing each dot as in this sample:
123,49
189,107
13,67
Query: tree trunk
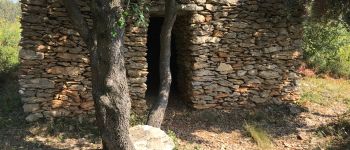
109,83
156,115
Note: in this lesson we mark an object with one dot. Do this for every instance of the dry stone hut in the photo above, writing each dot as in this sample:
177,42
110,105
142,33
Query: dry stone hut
225,54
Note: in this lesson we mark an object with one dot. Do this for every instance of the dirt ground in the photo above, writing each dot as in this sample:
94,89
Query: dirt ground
288,126
306,125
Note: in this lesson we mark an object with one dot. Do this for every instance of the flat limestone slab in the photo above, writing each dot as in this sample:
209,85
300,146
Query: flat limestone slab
146,137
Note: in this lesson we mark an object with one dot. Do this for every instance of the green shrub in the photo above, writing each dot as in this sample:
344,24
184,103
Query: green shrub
9,39
344,61
327,47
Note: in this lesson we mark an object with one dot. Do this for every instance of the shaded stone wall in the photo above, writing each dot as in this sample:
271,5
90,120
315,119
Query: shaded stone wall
231,53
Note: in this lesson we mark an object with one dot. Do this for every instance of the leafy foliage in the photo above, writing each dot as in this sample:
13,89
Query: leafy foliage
135,11
327,47
330,10
327,37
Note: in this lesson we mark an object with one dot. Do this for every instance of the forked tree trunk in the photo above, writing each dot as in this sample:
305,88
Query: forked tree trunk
156,116
109,83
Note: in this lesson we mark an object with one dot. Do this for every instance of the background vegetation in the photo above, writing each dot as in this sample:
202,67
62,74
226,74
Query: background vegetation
327,39
9,39
9,35
327,47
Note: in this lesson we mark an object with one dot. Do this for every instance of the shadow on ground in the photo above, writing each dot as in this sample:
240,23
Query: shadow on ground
277,120
339,130
67,133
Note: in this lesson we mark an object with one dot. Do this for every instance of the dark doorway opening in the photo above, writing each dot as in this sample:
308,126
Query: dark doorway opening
153,49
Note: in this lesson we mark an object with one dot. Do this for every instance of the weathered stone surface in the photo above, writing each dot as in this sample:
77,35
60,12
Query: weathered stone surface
145,137
77,87
206,106
31,107
269,74
190,7
87,105
56,113
205,39
223,89
258,99
239,24
204,73
30,55
231,2
224,67
253,72
200,1
41,83
272,49
72,71
34,99
56,103
241,73
197,18
200,65
72,57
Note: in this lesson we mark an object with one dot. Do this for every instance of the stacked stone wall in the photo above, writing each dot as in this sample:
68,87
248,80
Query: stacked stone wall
231,53
245,52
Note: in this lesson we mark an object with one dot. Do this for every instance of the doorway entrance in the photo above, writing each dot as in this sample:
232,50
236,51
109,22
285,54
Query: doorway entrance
153,50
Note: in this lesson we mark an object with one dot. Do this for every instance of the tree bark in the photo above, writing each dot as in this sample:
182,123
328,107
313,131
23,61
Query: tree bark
109,83
156,116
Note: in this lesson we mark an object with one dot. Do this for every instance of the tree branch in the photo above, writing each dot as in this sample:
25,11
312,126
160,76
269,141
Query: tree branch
78,22
156,116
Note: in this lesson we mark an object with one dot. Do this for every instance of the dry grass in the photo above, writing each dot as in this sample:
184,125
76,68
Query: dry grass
260,136
325,91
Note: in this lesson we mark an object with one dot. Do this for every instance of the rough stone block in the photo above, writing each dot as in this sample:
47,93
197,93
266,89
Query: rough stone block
146,137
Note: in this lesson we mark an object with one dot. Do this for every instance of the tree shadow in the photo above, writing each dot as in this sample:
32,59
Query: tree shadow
59,133
339,131
9,86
